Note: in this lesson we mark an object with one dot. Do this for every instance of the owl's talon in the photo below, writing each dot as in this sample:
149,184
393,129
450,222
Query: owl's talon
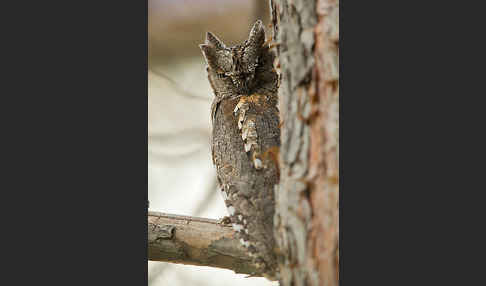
225,220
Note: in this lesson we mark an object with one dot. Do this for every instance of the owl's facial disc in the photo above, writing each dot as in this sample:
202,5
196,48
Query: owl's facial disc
235,67
242,73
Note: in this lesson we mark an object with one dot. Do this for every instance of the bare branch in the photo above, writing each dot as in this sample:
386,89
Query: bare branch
180,89
196,241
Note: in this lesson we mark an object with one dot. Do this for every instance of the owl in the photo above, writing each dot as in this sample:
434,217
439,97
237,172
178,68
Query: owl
245,136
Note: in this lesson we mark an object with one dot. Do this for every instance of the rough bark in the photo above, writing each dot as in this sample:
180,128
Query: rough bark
196,241
306,220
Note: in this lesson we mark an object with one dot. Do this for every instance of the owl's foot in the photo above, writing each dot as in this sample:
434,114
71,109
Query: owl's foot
225,220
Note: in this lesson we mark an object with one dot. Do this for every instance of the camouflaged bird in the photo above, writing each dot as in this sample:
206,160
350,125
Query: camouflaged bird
245,135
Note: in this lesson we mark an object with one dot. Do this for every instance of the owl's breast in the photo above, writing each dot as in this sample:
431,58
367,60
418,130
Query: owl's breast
244,128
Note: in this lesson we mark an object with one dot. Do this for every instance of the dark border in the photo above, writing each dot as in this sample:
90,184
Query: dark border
76,168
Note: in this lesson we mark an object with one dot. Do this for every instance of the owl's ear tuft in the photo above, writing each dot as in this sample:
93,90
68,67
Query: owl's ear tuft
257,35
212,40
209,54
254,46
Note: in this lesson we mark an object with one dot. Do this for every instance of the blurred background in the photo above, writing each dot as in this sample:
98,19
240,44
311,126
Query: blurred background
181,177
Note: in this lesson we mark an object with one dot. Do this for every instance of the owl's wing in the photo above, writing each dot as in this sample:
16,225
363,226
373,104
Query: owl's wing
214,108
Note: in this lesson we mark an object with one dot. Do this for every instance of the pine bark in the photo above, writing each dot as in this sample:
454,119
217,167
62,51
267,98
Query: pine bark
307,209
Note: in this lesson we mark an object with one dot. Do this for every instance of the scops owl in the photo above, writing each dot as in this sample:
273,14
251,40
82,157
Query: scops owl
245,137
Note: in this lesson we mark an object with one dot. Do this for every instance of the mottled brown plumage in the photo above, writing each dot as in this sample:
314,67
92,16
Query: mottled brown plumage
245,123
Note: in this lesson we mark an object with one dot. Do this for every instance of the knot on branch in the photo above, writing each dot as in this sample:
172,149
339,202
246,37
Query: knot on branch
161,232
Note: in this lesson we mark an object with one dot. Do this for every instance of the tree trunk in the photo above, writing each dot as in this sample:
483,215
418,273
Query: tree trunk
307,209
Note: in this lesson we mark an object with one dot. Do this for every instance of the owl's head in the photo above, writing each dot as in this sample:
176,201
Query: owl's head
242,69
